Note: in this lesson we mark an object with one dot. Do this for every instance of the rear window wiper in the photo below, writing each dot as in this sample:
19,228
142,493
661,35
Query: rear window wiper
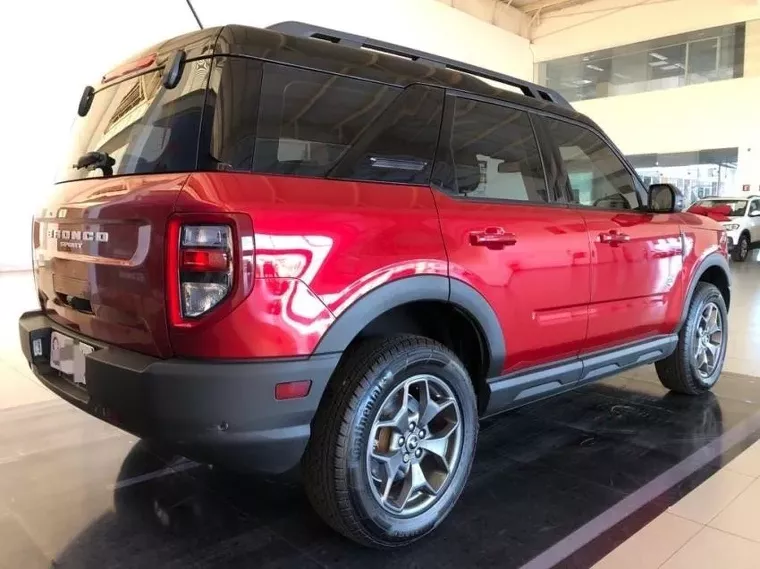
96,160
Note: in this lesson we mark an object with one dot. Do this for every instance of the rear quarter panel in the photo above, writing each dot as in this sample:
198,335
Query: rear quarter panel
320,246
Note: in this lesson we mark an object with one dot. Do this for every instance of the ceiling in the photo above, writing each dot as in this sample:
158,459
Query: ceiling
533,7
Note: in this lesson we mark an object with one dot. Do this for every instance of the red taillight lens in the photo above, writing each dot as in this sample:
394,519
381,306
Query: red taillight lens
200,260
205,268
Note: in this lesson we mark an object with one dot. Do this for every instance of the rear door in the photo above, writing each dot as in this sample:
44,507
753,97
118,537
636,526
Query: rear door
504,235
636,256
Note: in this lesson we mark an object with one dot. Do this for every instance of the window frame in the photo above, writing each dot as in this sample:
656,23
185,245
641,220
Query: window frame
563,196
443,153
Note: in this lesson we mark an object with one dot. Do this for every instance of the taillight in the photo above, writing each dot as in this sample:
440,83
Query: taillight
206,271
209,266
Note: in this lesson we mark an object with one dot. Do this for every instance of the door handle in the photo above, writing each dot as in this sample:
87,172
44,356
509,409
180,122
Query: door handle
614,238
493,238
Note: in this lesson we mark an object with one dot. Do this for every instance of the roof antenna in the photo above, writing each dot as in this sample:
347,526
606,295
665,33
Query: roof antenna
195,14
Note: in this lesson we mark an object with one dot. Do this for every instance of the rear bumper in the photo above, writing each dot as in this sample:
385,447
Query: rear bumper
223,413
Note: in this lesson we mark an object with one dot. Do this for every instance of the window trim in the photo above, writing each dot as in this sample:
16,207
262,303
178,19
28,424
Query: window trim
443,152
638,185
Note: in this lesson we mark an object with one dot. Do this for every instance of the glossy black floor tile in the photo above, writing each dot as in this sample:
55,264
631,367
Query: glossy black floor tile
76,493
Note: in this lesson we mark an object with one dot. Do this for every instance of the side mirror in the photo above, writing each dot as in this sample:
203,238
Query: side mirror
663,198
755,213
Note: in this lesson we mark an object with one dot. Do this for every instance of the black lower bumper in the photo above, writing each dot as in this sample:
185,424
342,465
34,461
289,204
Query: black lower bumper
223,413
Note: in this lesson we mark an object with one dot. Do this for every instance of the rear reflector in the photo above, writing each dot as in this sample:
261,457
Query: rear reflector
292,389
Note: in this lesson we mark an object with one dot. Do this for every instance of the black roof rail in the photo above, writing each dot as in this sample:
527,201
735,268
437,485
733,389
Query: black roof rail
527,88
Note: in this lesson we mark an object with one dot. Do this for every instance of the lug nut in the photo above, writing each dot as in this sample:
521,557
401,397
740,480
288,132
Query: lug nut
418,453
400,441
412,425
423,434
406,458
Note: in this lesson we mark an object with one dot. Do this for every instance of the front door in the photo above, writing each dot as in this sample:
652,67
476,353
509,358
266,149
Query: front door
504,235
636,256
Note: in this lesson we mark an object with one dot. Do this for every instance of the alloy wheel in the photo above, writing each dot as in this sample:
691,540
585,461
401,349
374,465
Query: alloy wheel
709,340
414,445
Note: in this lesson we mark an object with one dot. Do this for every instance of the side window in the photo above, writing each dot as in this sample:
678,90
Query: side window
307,119
492,153
596,176
754,205
229,123
400,146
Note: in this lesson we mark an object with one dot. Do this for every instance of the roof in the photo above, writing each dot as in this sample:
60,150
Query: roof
309,52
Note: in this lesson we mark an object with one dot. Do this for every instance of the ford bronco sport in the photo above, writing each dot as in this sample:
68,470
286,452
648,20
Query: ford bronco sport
284,247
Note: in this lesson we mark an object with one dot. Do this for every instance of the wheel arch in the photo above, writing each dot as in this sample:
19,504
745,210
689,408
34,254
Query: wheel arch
713,269
417,291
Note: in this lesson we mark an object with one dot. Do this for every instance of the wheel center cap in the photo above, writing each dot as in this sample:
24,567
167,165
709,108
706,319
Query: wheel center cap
412,443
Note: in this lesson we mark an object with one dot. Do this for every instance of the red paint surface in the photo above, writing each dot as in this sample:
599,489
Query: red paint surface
562,281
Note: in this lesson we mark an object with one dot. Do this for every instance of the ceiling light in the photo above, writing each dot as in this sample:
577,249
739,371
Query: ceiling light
658,56
594,67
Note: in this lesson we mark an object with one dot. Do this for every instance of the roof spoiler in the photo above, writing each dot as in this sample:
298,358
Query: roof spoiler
527,88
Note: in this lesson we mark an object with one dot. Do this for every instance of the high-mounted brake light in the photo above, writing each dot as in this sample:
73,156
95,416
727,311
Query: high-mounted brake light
129,67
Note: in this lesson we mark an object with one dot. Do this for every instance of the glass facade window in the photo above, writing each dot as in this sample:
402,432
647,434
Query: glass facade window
696,57
698,174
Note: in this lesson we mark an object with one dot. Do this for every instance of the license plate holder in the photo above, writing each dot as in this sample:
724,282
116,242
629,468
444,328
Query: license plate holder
67,355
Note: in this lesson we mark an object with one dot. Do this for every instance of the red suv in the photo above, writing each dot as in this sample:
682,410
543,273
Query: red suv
293,246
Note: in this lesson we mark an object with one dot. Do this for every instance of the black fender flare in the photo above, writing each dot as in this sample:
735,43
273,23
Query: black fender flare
418,288
711,260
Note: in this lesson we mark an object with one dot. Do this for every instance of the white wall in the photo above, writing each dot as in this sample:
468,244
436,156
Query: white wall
54,48
427,25
609,23
714,115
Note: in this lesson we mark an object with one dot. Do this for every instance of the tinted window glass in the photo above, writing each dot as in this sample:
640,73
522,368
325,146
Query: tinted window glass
143,127
400,147
493,154
307,119
232,111
597,177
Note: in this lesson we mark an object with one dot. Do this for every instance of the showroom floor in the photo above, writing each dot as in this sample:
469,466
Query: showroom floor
559,483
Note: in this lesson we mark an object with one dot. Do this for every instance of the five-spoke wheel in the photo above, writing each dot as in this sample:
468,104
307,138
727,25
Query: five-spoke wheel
415,443
708,342
393,442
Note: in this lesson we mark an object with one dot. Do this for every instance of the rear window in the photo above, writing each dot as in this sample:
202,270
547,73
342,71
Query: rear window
142,126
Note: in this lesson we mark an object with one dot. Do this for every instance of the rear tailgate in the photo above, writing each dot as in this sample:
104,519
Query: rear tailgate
99,250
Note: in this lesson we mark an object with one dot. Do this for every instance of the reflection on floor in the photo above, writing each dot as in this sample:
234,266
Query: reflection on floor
78,493
559,483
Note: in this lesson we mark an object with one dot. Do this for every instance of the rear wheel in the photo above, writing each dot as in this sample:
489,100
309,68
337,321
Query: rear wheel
393,441
741,250
697,362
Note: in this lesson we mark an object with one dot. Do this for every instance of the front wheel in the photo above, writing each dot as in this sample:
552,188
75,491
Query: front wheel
741,250
392,443
696,364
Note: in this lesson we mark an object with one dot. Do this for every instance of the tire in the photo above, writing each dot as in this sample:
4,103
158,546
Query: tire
339,473
681,372
741,251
